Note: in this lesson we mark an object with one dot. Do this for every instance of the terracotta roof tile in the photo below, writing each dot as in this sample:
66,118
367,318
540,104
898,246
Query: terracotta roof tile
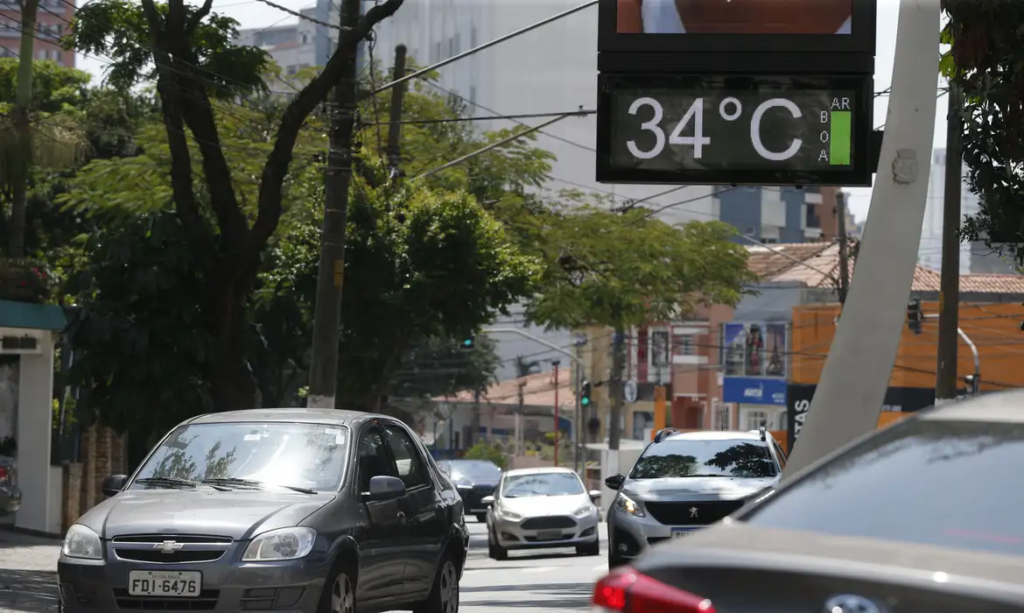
538,390
819,267
767,262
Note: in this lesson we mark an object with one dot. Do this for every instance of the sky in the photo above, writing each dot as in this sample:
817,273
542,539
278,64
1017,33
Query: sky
255,14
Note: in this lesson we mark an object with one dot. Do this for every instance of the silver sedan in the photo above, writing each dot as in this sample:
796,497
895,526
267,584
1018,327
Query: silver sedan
542,508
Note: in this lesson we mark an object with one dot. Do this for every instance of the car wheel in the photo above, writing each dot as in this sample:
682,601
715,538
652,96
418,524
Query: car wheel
494,549
481,517
614,559
444,595
593,549
339,595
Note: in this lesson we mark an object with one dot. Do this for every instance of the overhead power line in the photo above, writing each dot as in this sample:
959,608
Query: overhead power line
579,113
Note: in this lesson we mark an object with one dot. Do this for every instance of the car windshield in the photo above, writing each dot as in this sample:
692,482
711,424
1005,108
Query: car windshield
541,484
674,459
474,469
949,484
296,455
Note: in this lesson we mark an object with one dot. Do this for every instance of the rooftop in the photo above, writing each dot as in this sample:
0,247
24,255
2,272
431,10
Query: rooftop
817,265
538,390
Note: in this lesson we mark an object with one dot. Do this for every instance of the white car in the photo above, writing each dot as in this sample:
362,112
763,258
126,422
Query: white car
542,508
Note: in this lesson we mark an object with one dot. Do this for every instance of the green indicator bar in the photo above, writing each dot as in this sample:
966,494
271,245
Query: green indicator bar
839,138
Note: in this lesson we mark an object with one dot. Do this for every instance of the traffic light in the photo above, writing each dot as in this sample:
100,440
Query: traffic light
914,316
585,394
468,343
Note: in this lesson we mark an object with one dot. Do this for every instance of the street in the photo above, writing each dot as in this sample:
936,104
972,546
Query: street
554,580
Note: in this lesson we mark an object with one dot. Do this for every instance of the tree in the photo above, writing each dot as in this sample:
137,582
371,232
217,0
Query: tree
195,64
438,366
38,124
986,65
629,269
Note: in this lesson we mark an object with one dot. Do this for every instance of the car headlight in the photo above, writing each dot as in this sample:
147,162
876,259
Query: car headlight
509,515
283,544
83,543
625,504
585,510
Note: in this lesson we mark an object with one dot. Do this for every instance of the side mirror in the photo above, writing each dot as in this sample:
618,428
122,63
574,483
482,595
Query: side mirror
112,484
383,487
615,482
595,495
487,500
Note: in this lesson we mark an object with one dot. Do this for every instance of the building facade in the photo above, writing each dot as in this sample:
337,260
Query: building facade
52,22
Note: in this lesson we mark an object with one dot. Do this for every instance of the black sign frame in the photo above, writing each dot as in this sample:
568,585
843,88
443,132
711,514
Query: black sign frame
858,175
860,41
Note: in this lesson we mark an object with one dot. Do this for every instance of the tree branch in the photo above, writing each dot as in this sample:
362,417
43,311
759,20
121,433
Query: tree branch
199,15
276,167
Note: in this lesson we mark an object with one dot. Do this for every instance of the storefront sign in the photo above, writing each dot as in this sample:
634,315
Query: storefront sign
755,350
750,390
897,400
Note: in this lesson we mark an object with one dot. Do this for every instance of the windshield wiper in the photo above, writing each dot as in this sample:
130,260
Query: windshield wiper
250,483
167,481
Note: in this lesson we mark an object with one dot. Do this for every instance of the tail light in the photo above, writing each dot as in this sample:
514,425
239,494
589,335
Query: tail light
631,592
3,473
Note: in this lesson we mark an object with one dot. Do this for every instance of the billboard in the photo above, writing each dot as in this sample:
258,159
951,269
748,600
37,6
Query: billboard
773,26
754,350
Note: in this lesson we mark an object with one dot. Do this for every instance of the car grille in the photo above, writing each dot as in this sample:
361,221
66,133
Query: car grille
483,490
206,601
549,523
691,513
191,548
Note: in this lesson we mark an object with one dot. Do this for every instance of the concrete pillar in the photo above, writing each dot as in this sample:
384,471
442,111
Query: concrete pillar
40,508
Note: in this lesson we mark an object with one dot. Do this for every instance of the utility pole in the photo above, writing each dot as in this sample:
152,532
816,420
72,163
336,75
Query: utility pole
395,116
946,382
844,255
323,371
615,389
556,363
476,419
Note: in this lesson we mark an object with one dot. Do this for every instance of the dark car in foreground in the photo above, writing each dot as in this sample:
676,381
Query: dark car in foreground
475,480
276,509
685,481
919,517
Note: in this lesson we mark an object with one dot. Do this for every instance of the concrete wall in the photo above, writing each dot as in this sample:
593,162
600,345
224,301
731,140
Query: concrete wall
41,501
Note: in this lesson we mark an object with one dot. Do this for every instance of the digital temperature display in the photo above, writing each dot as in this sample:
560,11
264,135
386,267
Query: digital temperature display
734,130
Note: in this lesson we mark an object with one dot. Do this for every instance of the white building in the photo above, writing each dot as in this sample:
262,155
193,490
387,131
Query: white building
974,257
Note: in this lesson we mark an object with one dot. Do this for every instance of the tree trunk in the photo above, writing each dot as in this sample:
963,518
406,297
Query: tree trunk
23,129
231,378
615,389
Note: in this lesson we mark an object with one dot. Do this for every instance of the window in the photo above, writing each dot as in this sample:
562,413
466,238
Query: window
373,459
541,484
673,459
949,484
685,344
659,349
407,458
472,37
756,418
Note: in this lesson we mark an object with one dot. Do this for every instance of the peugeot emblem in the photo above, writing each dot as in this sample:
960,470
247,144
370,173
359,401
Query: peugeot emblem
693,512
848,603
168,547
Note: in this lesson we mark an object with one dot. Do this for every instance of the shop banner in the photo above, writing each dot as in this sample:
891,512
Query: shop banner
897,400
755,350
754,390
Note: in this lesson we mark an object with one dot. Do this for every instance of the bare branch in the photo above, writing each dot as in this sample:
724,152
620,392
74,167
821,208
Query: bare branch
198,17
276,167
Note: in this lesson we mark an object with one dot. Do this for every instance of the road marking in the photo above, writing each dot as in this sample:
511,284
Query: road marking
600,567
540,569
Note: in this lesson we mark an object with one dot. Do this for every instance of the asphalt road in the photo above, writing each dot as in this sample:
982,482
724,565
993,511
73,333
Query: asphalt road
550,582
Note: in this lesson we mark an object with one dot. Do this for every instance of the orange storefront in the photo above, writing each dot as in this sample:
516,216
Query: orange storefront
994,329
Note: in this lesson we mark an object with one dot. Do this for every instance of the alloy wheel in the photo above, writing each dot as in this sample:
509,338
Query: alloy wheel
448,589
343,595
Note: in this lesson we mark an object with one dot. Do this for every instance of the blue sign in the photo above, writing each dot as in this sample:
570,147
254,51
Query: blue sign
754,390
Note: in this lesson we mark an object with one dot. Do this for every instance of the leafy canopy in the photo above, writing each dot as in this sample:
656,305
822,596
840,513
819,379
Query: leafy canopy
623,270
987,66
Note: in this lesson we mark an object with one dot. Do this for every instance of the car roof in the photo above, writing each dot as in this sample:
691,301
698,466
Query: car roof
327,417
1006,407
715,435
540,470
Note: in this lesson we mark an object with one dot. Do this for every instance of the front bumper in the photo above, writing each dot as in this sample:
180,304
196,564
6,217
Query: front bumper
283,587
10,499
512,534
629,534
472,498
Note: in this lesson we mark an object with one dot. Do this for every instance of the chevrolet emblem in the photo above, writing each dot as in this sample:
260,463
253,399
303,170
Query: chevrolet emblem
168,546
